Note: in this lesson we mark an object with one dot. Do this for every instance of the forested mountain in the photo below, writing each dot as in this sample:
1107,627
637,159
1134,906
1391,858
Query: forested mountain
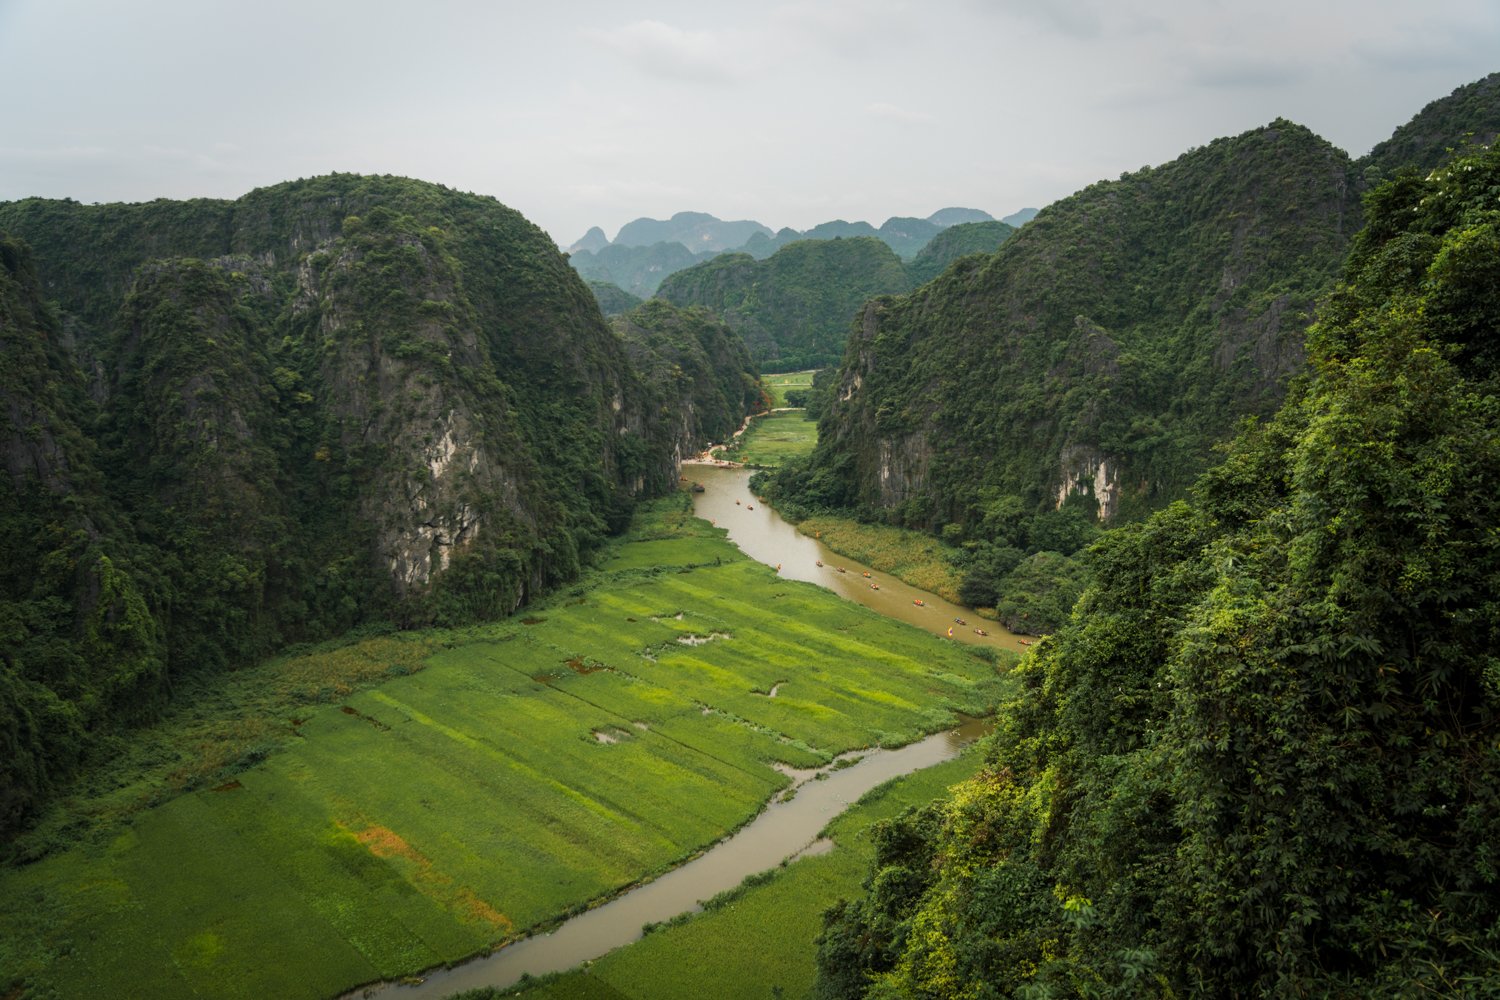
646,251
1102,351
697,368
957,241
1261,759
613,300
637,270
246,423
698,231
1470,115
793,308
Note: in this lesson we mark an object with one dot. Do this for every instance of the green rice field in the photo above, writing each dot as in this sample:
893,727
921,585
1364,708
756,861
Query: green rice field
773,438
414,816
759,940
779,384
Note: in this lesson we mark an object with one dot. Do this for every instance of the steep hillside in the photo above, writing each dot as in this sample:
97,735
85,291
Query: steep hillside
1261,759
328,403
958,241
792,309
638,270
1469,115
701,376
698,231
613,300
1105,347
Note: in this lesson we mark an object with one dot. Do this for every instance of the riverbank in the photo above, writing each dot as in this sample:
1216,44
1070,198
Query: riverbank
759,939
520,771
910,556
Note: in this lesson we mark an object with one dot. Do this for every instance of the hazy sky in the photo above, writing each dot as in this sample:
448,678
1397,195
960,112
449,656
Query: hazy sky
584,112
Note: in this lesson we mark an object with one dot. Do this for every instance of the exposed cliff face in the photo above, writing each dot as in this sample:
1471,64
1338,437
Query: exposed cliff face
1105,346
331,402
700,372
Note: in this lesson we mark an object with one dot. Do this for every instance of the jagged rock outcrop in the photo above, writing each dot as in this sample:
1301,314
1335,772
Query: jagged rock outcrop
1125,329
328,403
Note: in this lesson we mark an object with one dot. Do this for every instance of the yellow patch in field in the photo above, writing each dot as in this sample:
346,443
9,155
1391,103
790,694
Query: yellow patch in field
462,901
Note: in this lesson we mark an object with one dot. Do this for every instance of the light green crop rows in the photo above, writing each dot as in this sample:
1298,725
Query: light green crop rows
760,939
426,818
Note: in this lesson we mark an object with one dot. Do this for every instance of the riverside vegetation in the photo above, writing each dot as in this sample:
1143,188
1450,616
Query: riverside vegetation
329,404
1257,757
623,725
1261,757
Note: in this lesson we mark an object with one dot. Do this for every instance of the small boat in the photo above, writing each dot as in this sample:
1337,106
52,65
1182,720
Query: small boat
919,602
697,487
749,506
874,586
820,562
1025,642
842,570
959,621
736,503
865,575
980,631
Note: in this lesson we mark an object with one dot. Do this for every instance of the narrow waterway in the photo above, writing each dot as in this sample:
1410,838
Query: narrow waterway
760,532
785,829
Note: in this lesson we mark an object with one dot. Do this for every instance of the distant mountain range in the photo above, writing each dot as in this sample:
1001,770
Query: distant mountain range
646,251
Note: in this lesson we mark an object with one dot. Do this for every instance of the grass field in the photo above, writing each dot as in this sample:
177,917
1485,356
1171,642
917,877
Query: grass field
779,384
911,556
772,439
757,941
371,811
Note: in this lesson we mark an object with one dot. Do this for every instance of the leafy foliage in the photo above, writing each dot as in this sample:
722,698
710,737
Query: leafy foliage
792,309
1468,116
332,402
613,300
955,242
1262,757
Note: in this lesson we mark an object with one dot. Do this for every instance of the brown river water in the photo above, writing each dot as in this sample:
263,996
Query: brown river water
783,830
763,535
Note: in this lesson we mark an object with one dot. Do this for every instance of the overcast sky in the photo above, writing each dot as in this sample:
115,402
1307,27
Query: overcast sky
585,112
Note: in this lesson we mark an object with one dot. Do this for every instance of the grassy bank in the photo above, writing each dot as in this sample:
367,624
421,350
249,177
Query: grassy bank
759,940
910,556
773,438
377,809
779,384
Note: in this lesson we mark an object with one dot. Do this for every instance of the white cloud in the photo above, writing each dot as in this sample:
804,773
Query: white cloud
661,49
900,114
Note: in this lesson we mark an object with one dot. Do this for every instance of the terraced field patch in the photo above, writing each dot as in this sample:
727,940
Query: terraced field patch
423,818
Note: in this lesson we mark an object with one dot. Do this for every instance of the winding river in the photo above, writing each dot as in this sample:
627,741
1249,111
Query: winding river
760,532
784,829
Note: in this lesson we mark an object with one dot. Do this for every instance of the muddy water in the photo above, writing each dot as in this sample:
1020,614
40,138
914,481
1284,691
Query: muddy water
763,535
785,829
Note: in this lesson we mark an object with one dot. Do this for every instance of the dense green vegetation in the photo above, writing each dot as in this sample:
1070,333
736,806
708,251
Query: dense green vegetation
405,804
1468,116
788,388
613,300
955,242
335,402
1082,375
757,940
792,309
699,369
1262,757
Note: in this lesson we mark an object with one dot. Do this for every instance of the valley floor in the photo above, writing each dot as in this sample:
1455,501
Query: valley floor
419,816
